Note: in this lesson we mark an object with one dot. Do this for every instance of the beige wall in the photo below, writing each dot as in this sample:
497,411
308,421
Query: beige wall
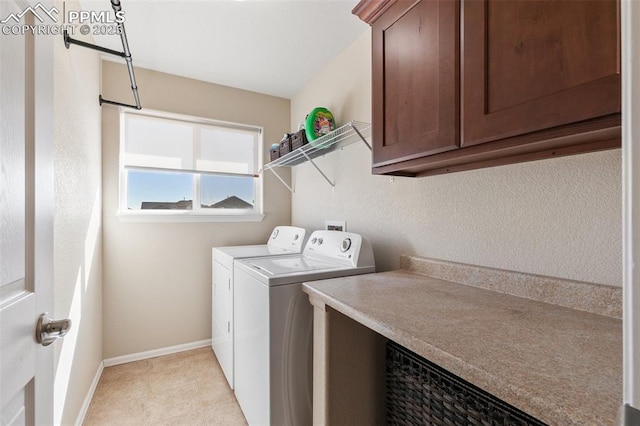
559,217
157,276
77,224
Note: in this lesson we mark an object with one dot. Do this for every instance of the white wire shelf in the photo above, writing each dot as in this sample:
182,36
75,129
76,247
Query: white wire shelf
354,131
341,137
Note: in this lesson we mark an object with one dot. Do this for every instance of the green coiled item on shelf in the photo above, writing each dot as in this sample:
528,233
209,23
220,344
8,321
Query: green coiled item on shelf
319,122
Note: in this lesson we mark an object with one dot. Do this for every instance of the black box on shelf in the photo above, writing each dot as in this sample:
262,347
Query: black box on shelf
274,152
298,139
285,145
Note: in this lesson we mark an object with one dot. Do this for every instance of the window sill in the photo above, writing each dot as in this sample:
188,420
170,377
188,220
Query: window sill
186,218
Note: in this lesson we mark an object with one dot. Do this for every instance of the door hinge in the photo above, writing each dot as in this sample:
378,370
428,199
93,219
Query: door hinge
228,326
229,280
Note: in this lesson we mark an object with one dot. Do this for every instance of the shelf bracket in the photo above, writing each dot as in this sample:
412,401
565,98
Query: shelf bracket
355,129
318,169
282,180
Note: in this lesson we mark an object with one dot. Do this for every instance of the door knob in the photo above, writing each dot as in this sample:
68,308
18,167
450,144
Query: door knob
48,330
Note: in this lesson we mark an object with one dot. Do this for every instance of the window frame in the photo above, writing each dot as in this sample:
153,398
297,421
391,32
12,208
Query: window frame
197,213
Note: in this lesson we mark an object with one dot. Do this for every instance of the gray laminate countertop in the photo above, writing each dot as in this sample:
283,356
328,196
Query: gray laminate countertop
561,365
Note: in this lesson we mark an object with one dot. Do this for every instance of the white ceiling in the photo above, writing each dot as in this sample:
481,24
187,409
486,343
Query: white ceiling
266,46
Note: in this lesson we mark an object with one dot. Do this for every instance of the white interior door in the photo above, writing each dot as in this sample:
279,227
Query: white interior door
26,221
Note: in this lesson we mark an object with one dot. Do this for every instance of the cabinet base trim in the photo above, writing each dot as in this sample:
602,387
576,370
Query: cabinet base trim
536,146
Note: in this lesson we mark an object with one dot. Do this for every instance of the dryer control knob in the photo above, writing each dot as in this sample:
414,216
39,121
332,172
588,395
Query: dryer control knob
313,240
346,245
275,234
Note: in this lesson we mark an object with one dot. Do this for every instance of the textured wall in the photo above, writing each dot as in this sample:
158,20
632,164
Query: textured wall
77,223
559,217
157,276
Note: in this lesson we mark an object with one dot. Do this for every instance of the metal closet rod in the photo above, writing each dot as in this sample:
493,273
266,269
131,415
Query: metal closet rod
126,54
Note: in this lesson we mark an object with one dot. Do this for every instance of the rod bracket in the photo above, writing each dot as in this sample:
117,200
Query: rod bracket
102,100
125,54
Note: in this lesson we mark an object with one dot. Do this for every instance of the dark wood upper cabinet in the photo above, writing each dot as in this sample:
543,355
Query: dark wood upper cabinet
463,85
415,80
533,65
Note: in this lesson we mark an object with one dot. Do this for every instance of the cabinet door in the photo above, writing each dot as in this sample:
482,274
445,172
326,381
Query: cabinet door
534,65
415,80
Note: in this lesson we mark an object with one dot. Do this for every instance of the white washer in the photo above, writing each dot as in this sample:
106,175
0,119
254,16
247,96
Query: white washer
274,325
284,240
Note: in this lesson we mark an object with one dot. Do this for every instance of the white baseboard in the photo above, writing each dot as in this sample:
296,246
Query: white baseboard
87,400
156,352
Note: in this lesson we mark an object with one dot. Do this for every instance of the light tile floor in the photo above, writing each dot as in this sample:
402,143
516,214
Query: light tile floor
187,388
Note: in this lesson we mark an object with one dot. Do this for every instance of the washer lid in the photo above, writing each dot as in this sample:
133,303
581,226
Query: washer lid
294,269
291,265
226,255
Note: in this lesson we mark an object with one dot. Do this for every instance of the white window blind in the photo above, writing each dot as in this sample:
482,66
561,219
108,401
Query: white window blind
175,145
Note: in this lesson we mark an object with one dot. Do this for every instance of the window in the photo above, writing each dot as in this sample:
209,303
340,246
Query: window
181,166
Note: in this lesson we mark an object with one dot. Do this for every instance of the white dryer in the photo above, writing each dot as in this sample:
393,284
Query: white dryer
274,325
284,240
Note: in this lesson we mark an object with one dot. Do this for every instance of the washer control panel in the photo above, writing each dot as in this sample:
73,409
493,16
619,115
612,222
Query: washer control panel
346,245
340,245
287,237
